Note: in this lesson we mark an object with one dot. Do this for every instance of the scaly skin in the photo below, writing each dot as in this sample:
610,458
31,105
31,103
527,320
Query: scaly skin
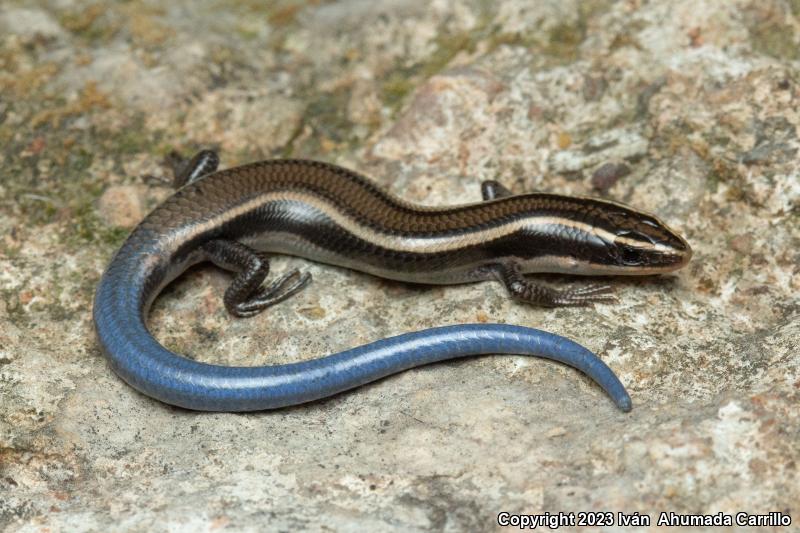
332,215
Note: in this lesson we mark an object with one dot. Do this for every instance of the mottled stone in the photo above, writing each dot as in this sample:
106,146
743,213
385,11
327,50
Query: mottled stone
237,121
621,144
29,23
697,98
607,174
121,206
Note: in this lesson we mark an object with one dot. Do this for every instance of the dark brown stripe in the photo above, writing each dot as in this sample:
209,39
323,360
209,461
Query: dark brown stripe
362,200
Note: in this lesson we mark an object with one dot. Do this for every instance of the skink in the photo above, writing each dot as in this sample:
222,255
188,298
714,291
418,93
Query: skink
329,214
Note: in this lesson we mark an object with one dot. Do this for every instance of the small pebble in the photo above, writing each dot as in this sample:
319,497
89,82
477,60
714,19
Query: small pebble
608,174
121,206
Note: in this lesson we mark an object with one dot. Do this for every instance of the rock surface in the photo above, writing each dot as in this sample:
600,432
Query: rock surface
697,99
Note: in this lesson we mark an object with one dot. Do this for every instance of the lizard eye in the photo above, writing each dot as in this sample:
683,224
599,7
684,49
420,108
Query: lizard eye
630,256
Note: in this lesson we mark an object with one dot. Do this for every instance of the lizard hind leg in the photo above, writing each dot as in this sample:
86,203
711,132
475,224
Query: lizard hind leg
245,297
188,171
491,189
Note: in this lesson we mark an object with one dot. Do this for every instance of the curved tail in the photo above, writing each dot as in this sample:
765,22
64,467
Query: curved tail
152,369
127,287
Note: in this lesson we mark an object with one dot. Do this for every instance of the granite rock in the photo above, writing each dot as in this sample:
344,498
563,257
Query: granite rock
698,99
